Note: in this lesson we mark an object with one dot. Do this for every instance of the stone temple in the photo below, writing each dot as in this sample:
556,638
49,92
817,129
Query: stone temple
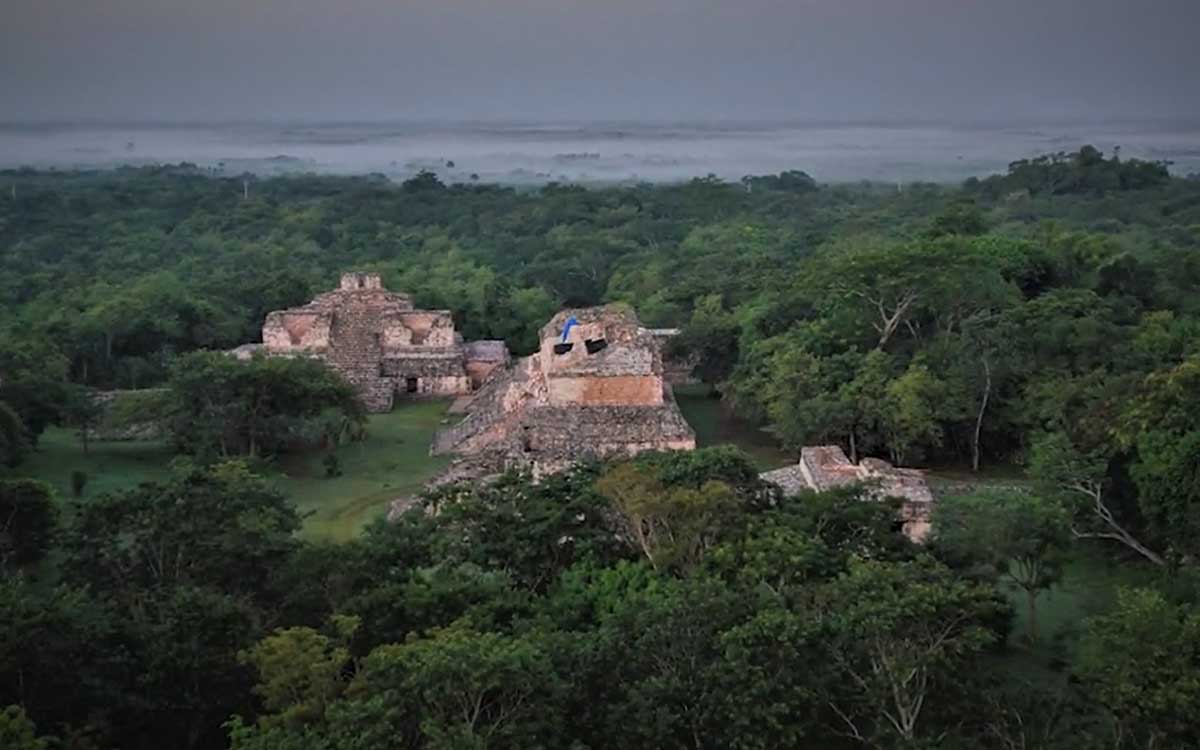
381,344
594,389
826,467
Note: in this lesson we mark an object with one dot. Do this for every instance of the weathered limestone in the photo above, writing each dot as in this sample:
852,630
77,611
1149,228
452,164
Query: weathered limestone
380,343
826,467
598,392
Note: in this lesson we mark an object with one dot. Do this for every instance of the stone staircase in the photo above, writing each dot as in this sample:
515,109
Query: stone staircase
355,354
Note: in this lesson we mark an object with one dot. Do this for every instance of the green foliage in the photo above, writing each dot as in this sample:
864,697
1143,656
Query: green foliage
129,408
462,688
28,522
791,181
1047,316
33,375
531,531
1142,662
333,467
220,527
1023,536
57,653
227,407
675,527
694,469
1161,424
1085,171
17,732
300,672
79,481
712,337
82,411
911,410
898,636
14,440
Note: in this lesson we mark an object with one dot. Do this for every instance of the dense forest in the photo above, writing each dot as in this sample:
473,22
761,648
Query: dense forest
1043,325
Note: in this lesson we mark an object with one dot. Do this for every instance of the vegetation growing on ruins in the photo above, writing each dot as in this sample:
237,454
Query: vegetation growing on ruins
1040,323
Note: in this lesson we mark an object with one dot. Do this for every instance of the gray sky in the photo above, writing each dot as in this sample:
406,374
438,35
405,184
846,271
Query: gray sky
957,60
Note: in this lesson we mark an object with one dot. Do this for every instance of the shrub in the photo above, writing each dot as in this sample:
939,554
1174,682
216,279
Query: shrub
333,467
79,480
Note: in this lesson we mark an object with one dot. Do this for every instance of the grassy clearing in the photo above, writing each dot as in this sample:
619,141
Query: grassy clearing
392,462
109,466
715,424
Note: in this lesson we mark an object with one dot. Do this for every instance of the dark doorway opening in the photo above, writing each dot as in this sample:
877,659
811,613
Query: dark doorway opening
410,385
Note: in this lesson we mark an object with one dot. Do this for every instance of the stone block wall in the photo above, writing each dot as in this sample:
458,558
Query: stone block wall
620,390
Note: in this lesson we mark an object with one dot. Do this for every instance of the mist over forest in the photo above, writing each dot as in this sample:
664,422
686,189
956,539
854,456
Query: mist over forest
603,153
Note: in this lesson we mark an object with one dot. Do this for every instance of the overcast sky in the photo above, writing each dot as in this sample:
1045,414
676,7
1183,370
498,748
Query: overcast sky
941,60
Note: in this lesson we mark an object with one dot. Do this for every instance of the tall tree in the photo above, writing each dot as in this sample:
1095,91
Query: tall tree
1081,478
898,635
1023,536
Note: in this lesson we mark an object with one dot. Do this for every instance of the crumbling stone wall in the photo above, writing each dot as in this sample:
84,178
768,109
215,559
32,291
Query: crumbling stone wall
826,467
297,331
483,358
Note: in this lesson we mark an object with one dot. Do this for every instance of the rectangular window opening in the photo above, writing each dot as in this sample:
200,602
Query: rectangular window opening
410,385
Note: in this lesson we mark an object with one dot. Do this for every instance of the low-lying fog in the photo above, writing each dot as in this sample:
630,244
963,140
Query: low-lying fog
609,152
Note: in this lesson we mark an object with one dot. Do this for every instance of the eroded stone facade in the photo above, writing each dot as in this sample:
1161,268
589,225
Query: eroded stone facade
597,391
826,467
380,343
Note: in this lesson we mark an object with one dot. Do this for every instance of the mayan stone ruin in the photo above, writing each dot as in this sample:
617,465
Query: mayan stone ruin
595,388
826,467
380,343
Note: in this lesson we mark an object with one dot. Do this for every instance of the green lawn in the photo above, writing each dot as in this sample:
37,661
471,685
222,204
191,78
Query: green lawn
715,424
393,461
109,466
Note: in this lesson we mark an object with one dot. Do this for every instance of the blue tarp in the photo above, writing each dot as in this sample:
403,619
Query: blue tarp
571,322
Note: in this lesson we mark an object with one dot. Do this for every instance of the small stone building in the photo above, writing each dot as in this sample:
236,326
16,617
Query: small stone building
380,343
595,388
826,467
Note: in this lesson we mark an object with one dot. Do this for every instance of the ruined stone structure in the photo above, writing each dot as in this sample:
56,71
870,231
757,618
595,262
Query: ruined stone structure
678,369
827,467
595,388
380,343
